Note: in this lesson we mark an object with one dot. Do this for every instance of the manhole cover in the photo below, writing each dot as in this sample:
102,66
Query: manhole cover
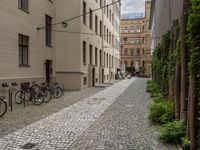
99,99
129,106
29,146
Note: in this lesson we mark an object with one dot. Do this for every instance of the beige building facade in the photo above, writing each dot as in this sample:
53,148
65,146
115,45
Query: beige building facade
136,40
36,43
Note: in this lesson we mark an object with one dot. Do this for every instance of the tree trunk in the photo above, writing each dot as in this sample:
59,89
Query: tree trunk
193,113
184,76
177,90
170,64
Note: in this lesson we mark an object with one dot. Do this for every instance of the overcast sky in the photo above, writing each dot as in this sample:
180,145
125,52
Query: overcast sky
133,6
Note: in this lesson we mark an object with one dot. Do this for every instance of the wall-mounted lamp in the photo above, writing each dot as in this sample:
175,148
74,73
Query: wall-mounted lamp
64,24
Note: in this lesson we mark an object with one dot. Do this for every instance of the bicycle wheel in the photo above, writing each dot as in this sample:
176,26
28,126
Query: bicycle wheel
38,98
47,96
3,107
57,92
19,97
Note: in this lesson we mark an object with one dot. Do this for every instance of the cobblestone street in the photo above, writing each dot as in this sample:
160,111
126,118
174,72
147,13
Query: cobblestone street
113,119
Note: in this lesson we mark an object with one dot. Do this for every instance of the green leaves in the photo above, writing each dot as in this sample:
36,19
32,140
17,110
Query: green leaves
172,132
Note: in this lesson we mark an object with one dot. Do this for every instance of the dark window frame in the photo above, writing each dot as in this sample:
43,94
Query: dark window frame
84,12
48,30
84,53
96,24
23,48
96,56
23,5
91,19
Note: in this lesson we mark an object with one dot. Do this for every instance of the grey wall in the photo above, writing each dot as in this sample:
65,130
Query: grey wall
165,12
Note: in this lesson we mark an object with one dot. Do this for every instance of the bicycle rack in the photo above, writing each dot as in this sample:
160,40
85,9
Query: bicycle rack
10,101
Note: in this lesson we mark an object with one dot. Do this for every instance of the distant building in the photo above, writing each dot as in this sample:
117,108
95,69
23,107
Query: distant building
136,40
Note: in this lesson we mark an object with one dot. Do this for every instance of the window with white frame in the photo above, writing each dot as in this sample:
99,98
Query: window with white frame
131,40
126,29
137,40
138,29
132,29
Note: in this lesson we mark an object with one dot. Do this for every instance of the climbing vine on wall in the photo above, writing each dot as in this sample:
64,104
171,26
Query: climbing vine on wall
193,39
160,64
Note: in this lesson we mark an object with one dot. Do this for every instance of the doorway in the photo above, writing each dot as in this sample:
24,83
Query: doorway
48,70
93,77
103,76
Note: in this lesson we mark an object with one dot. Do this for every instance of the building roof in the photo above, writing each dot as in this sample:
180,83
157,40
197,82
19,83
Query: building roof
132,15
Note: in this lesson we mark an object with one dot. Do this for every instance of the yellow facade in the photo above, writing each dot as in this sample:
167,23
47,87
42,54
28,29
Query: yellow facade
136,42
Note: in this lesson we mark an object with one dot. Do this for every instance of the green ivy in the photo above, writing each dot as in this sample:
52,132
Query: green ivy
193,39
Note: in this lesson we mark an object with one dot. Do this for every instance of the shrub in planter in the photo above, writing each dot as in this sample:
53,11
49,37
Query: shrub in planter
186,143
152,88
158,98
172,132
161,113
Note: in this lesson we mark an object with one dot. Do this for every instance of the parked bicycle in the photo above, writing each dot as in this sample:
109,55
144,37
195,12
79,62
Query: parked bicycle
3,106
47,92
32,93
55,89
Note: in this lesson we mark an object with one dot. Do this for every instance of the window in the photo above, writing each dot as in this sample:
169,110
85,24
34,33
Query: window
138,52
137,40
131,40
104,7
126,51
138,29
84,12
23,50
96,24
84,52
100,28
96,56
126,29
107,60
143,51
107,35
101,4
104,32
112,61
132,52
100,57
91,54
143,40
85,81
125,39
143,28
107,11
23,5
138,21
104,58
48,30
91,18
112,19
132,29
110,15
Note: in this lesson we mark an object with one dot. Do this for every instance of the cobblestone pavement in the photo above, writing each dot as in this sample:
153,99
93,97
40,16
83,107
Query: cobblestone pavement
21,117
60,130
124,125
